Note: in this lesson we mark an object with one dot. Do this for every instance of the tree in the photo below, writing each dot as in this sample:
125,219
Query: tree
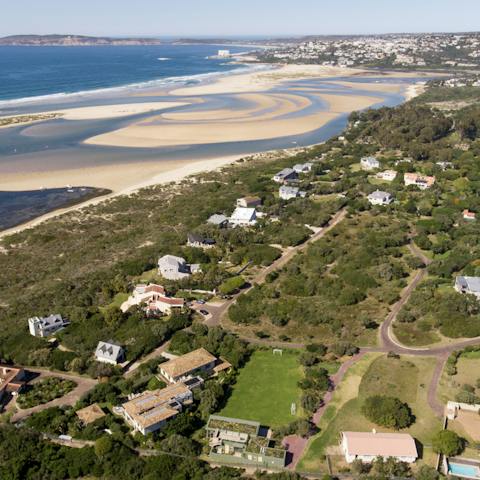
448,443
425,472
103,446
231,285
387,411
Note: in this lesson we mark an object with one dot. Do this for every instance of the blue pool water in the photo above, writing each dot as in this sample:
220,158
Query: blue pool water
462,470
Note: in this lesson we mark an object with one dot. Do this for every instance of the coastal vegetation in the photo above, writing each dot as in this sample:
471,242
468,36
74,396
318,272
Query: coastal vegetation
44,391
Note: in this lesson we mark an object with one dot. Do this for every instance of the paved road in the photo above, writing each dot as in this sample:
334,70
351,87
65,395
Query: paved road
219,310
84,385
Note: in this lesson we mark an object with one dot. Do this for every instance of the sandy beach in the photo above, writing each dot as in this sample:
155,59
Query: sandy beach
266,107
123,181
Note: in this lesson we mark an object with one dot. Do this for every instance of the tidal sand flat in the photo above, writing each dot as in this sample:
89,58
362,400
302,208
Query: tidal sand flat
241,125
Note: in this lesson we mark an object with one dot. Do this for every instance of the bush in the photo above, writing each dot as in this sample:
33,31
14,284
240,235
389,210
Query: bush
231,285
388,412
447,443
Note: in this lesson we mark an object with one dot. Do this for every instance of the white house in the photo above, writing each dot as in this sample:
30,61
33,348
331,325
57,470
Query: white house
367,446
469,285
285,175
155,298
181,368
468,215
223,53
109,352
249,202
387,175
151,410
45,326
380,198
175,268
369,163
421,181
303,167
199,241
243,217
286,193
218,219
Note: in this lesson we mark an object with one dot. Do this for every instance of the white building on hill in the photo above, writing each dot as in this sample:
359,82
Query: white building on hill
367,446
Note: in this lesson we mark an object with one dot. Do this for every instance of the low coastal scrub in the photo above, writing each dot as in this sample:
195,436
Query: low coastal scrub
45,391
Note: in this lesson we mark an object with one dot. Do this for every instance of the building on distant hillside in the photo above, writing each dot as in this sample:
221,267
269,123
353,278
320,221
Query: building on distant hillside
285,175
151,410
468,215
175,268
367,446
45,326
199,241
249,202
286,192
155,299
380,198
109,352
387,175
303,167
369,163
90,414
188,365
470,285
237,441
421,181
218,219
11,380
243,217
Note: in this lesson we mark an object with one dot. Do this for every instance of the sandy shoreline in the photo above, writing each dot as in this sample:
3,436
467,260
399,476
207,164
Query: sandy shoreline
142,175
265,116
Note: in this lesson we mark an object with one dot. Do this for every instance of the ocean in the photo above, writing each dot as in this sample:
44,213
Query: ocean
32,72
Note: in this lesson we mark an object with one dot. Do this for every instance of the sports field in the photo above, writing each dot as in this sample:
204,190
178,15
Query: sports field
266,388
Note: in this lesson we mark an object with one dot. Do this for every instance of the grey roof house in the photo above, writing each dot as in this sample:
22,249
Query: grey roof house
45,326
285,174
109,352
218,219
469,285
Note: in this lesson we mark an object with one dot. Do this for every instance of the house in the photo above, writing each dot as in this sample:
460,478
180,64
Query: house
249,202
286,192
380,198
421,181
369,163
243,217
468,215
303,167
241,442
155,298
11,380
199,241
90,414
150,411
470,285
218,219
444,165
45,326
387,175
285,175
367,446
188,365
109,352
175,268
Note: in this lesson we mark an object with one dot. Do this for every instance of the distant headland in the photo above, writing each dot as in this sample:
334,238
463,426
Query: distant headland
73,40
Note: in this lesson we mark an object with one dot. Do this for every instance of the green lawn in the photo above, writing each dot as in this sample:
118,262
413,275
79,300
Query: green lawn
265,389
406,379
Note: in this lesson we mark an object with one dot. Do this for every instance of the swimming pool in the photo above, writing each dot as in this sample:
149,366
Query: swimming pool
462,470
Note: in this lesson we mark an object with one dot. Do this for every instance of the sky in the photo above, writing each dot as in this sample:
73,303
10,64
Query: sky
236,17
